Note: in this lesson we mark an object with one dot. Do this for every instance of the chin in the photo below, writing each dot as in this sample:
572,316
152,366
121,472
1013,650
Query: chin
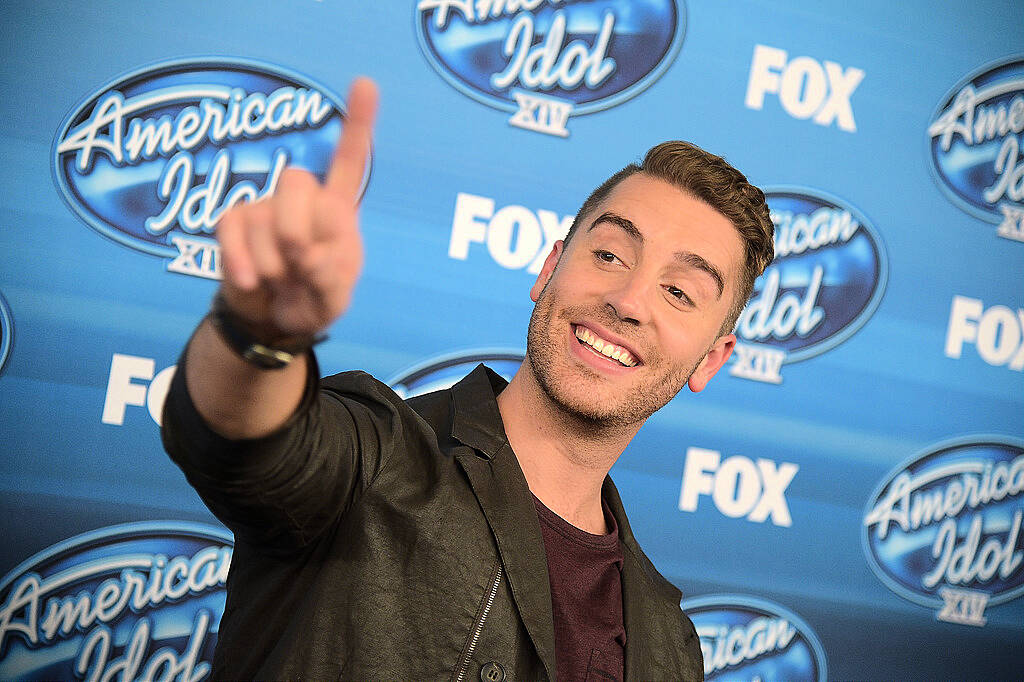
588,398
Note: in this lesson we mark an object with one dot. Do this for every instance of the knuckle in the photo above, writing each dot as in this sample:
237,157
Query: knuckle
332,211
271,267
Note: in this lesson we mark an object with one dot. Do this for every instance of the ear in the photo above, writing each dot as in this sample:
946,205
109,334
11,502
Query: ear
712,362
545,272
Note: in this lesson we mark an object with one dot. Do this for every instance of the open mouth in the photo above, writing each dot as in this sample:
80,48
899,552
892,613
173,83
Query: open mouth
602,347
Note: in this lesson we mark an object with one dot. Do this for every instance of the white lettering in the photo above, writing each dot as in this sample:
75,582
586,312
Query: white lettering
997,332
770,315
121,391
541,114
805,87
221,114
198,257
758,363
164,664
516,237
800,232
912,502
1009,173
959,564
199,207
965,607
725,646
738,486
976,124
485,10
137,582
510,247
549,64
1012,226
468,225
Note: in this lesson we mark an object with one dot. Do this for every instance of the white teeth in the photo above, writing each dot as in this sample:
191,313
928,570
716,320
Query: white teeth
603,347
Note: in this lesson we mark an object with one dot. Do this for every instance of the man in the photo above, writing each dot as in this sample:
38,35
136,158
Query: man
471,533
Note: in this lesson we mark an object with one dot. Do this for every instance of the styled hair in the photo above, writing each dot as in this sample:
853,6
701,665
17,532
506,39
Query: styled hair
712,180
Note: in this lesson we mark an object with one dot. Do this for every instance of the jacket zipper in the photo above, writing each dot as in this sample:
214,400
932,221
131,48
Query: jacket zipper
478,628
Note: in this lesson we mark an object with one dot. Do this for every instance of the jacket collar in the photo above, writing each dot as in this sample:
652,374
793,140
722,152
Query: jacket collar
476,421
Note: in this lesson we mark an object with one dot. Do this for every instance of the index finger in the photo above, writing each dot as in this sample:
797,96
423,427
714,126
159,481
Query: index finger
349,162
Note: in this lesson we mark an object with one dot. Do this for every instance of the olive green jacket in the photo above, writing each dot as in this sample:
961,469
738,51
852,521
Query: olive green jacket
382,539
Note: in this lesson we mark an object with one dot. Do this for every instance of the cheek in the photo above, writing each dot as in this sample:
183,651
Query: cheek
681,347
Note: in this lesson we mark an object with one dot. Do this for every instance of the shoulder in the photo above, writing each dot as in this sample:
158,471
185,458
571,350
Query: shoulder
428,412
664,589
357,383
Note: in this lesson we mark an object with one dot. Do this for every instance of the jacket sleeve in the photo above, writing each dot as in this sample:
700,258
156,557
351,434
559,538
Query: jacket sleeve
280,492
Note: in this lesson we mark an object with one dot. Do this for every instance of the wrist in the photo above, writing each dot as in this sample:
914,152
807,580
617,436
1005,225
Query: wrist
263,346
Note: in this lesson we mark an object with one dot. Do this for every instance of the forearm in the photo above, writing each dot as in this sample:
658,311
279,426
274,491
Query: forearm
235,398
282,490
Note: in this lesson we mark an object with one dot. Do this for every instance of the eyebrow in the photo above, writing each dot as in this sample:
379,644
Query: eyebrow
688,258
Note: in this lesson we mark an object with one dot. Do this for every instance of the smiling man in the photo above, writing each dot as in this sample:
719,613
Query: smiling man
471,533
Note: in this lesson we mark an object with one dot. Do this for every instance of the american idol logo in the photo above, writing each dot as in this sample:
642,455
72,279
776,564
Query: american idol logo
6,331
135,601
826,281
547,60
944,528
975,145
444,371
744,638
153,159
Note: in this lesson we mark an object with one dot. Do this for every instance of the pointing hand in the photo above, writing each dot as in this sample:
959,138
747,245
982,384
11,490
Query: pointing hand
291,261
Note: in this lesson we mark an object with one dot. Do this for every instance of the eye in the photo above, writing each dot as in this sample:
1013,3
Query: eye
606,256
678,293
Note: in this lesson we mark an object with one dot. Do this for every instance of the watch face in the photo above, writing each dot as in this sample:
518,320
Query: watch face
269,358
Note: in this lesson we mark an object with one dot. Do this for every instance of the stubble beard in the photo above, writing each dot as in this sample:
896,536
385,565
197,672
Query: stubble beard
587,404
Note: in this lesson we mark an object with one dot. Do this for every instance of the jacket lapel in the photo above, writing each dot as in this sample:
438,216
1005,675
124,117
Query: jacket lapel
504,496
648,603
632,616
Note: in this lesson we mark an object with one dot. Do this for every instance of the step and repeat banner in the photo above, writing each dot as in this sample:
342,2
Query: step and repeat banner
844,501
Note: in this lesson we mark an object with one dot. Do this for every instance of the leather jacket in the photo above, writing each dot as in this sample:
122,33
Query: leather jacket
382,539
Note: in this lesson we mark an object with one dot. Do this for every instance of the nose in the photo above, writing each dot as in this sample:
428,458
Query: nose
629,301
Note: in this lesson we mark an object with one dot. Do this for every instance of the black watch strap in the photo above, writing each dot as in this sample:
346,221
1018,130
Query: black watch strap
263,353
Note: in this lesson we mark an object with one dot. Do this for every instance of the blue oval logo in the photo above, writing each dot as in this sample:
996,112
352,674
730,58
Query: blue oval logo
447,370
158,155
943,529
6,331
136,601
547,60
745,638
976,145
826,281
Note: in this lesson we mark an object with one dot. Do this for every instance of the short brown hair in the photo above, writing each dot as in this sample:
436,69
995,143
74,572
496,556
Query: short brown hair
711,179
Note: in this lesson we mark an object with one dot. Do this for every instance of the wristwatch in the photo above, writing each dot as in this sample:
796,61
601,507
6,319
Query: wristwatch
263,353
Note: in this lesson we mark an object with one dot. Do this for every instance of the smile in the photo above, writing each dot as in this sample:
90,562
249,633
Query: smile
605,348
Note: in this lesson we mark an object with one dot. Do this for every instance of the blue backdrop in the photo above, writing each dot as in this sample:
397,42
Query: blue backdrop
843,501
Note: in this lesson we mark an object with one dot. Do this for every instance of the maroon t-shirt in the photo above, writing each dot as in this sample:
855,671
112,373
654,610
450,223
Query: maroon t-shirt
586,598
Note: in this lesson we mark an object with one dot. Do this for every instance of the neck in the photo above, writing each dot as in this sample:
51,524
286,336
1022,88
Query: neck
564,457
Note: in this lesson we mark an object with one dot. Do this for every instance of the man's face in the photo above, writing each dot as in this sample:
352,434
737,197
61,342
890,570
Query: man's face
652,272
